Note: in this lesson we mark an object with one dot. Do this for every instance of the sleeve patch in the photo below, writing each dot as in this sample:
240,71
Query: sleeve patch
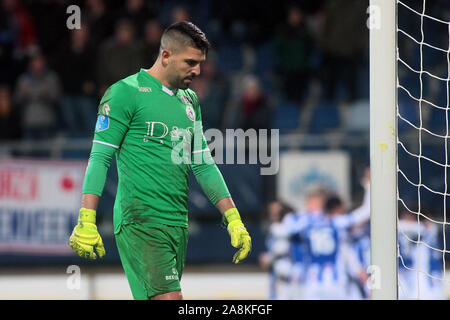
102,123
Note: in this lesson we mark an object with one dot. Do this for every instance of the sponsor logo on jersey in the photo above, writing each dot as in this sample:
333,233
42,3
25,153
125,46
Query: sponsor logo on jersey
190,112
102,123
174,275
145,89
156,129
159,130
175,134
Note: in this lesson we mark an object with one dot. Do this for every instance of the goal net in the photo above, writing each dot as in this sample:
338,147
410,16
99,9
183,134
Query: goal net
423,75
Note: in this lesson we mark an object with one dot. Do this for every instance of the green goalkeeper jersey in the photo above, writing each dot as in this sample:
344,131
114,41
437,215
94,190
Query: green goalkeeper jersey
151,128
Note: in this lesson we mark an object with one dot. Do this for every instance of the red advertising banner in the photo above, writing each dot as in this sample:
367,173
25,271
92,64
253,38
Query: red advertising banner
39,203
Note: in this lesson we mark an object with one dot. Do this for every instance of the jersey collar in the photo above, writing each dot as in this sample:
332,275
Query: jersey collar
158,83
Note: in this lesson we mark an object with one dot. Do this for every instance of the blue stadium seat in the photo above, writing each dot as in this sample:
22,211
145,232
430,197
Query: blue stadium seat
325,117
364,84
432,57
230,58
166,7
76,154
437,122
408,109
408,165
200,12
266,60
441,95
286,117
410,81
267,84
359,117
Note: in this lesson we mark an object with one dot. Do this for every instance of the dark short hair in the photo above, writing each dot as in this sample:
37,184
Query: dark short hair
285,209
197,37
332,203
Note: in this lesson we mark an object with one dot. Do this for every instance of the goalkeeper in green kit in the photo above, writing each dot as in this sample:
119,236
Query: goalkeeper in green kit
151,121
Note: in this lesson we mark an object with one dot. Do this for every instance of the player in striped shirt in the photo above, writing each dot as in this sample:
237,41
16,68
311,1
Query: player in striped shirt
327,256
276,258
420,265
293,222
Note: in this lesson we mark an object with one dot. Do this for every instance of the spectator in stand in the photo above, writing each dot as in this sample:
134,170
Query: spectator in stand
152,35
99,19
254,106
139,13
119,56
275,258
17,39
20,23
78,105
9,116
342,42
212,93
37,93
7,47
180,13
294,68
49,18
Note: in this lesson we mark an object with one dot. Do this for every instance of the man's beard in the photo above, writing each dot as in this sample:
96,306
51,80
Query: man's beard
182,84
188,83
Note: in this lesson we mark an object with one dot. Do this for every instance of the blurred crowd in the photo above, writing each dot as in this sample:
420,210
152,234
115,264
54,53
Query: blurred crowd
322,251
269,62
298,66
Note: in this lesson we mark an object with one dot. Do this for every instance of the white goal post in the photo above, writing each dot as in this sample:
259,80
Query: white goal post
383,148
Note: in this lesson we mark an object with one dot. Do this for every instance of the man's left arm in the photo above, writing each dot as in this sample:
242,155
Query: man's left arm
211,181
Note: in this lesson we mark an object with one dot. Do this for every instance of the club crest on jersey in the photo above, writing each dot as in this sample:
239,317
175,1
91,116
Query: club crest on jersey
102,123
190,113
106,109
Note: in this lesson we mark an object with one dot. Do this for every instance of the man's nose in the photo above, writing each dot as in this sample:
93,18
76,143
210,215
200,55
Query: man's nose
196,70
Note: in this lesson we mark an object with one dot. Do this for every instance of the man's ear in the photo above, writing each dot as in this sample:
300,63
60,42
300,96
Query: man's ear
165,56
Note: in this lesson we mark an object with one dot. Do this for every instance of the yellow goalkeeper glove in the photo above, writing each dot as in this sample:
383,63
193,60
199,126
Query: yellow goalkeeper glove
85,236
238,234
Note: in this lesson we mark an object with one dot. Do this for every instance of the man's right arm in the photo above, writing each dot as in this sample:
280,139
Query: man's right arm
96,173
89,201
114,117
112,124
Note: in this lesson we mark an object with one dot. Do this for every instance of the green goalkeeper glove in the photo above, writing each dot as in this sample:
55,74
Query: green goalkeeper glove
85,236
238,234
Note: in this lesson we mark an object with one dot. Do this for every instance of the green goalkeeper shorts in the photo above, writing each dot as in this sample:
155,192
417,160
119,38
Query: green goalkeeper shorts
153,257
